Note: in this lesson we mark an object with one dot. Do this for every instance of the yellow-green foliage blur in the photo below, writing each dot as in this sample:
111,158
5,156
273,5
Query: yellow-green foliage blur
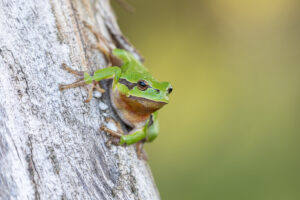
232,128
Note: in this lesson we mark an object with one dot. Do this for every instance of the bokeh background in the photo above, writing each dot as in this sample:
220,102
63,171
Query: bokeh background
232,128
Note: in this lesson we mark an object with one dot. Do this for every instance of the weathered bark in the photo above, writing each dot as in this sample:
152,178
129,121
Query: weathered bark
50,143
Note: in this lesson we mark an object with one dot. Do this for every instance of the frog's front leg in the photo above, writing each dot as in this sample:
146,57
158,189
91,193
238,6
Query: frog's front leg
136,136
113,133
146,133
141,153
91,81
81,82
153,127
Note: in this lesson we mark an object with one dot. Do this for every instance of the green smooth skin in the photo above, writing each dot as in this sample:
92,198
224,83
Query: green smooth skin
134,136
148,132
153,130
133,70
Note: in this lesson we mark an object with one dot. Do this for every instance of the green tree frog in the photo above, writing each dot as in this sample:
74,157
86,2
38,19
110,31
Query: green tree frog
135,94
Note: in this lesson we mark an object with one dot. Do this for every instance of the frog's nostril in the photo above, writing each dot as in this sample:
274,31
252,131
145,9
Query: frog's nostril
157,90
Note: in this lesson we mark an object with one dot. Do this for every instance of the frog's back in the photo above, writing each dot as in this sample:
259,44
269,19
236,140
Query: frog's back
132,69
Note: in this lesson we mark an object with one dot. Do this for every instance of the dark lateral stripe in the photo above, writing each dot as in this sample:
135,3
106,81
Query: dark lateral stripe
151,121
127,83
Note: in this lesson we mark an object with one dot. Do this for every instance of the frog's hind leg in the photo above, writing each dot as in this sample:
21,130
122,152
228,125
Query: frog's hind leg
106,49
103,46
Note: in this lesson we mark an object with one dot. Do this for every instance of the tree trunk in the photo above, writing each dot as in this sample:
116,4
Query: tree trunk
50,143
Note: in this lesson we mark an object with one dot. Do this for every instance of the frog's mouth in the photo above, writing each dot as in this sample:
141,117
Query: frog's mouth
147,103
139,104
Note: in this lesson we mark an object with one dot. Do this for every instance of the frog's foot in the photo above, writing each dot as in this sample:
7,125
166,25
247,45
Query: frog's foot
140,151
102,44
81,82
111,132
72,71
113,140
116,135
91,87
72,85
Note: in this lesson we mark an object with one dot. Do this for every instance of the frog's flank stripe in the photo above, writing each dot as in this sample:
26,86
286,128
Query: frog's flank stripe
131,85
127,83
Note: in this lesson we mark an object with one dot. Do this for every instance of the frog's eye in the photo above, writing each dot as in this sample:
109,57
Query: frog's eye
170,90
142,85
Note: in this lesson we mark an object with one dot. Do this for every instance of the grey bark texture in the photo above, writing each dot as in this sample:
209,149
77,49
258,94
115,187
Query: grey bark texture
50,143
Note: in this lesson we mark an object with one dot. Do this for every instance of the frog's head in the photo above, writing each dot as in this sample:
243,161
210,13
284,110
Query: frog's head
138,89
145,95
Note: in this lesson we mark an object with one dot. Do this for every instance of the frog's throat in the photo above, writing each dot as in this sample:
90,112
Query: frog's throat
134,111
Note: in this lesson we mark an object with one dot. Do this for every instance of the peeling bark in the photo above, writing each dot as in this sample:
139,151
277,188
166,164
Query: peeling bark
50,143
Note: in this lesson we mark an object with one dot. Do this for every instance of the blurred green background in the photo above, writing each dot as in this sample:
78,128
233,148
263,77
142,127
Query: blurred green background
232,129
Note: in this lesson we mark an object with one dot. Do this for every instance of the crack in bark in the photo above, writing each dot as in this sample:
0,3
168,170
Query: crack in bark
32,169
77,20
20,69
54,160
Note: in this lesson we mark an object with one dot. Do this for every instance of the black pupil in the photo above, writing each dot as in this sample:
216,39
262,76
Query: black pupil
142,84
170,90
